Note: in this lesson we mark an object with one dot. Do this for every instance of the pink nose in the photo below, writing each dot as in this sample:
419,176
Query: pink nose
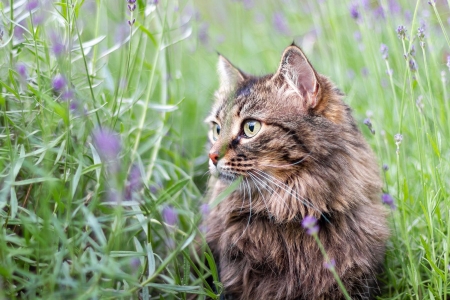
214,156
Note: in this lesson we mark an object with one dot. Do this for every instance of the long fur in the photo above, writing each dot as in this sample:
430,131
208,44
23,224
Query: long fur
306,161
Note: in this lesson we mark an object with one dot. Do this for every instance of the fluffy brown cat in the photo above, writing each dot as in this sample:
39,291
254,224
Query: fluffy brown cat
294,145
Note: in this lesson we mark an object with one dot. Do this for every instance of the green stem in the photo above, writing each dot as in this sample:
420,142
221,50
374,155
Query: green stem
332,269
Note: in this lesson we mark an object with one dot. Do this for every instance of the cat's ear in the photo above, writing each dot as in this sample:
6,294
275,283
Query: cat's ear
299,76
229,75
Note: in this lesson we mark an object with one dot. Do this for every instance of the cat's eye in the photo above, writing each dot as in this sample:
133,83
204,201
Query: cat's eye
216,131
251,128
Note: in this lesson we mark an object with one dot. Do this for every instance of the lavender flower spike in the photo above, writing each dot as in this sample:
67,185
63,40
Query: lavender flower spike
59,82
388,200
169,215
107,143
384,51
310,224
401,32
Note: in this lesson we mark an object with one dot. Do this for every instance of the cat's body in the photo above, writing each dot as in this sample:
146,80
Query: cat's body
298,150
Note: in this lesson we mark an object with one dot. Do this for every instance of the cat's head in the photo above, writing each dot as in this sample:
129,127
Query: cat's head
292,123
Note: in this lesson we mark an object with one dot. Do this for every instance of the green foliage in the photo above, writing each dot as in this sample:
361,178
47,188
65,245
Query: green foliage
91,164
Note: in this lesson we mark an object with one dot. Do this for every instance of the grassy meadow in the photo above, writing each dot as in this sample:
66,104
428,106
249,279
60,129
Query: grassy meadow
103,159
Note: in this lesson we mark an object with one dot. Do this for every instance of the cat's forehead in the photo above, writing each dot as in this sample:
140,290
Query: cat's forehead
249,99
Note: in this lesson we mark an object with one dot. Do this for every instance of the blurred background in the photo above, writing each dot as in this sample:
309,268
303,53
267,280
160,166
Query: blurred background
103,164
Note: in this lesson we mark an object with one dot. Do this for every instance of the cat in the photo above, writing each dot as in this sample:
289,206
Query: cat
294,146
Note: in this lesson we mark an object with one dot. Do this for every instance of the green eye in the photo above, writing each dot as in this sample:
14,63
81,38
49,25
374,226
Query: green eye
251,128
216,131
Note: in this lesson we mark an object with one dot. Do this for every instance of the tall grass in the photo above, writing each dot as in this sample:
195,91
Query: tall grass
102,141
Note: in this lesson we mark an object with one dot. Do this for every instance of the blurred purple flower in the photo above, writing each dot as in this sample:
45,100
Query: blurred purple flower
329,264
134,182
354,13
58,48
169,215
107,143
357,36
32,5
401,32
310,224
67,95
384,51
394,7
135,263
368,123
59,82
421,32
413,65
203,35
204,209
74,105
22,70
365,72
280,23
412,51
385,167
388,200
379,12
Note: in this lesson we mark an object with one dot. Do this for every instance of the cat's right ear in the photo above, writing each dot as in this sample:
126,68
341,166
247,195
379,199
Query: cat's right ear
229,75
299,76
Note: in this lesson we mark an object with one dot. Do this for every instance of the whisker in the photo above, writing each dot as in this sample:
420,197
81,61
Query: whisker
254,176
280,184
288,165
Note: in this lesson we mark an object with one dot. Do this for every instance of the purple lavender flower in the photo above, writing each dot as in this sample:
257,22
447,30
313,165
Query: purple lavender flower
169,215
203,35
368,123
131,22
310,224
135,263
74,105
413,65
394,7
280,23
379,12
385,167
330,264
388,200
59,82
134,182
384,51
421,33
67,95
22,70
204,209
58,48
107,143
412,51
401,32
32,5
354,13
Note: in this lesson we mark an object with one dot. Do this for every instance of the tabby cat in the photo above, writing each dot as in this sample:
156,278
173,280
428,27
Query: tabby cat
294,145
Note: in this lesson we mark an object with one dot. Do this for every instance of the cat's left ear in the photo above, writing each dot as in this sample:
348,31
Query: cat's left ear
229,75
296,71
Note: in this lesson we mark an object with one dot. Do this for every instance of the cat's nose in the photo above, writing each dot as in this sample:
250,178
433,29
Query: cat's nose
214,156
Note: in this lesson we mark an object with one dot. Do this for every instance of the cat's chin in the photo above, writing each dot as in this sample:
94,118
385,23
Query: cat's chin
228,178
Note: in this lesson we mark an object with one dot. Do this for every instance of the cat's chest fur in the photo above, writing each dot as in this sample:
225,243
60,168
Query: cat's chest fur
260,258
